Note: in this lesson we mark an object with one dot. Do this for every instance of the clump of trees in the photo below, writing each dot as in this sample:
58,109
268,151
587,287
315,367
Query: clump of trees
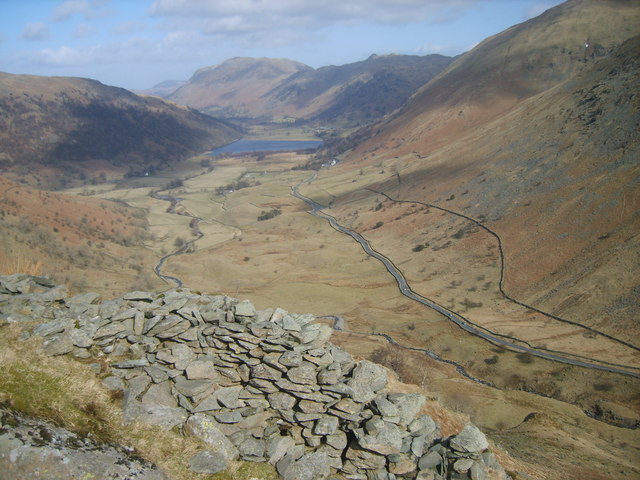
274,212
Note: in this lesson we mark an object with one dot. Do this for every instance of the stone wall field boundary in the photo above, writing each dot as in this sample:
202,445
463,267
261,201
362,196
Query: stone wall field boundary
254,385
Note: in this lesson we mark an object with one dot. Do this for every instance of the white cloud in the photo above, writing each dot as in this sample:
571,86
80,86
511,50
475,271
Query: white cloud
90,10
129,27
67,9
277,23
35,31
83,30
305,14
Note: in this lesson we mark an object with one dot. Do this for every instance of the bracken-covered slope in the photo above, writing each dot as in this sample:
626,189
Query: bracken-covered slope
64,123
535,133
274,90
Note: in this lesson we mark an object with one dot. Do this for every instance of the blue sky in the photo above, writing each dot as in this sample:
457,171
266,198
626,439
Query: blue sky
139,43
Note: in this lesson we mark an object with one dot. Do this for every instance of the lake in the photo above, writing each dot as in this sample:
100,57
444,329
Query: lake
246,146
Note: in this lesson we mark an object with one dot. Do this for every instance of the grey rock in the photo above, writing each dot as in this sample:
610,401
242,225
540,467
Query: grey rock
326,425
201,370
82,337
289,386
364,459
329,376
423,425
245,309
228,416
277,447
208,462
265,372
311,466
161,415
110,330
183,355
51,328
113,383
124,315
409,404
478,471
160,394
281,400
140,296
263,385
158,374
206,429
470,440
381,437
288,323
139,362
192,388
229,396
278,315
58,345
367,379
462,465
291,359
170,326
304,374
208,404
348,406
402,464
308,406
252,450
430,461
35,449
337,440
388,410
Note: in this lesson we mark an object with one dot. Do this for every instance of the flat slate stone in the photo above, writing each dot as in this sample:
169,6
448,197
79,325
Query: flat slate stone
208,462
206,429
277,447
311,466
281,400
304,374
192,388
140,296
201,370
326,425
245,309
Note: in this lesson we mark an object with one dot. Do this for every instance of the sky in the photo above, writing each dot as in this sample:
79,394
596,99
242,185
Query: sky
137,44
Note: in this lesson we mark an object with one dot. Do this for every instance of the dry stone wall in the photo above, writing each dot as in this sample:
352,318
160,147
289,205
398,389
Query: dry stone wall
254,385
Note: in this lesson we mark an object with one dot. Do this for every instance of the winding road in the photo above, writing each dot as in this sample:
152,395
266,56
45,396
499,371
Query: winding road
462,322
184,247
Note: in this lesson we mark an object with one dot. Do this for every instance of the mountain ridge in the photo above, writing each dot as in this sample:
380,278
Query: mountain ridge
267,90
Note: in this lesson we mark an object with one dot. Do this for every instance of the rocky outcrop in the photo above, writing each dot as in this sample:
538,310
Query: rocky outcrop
255,385
32,449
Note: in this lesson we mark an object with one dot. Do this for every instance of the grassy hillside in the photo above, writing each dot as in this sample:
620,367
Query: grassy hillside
544,152
65,123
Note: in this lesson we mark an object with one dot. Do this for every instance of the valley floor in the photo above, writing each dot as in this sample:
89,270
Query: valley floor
259,242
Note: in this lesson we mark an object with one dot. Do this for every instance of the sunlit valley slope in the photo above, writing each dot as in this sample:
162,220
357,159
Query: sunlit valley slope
534,134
